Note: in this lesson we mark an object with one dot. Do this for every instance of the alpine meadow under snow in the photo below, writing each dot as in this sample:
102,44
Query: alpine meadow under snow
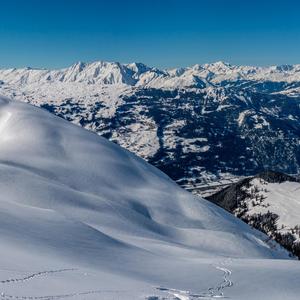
82,218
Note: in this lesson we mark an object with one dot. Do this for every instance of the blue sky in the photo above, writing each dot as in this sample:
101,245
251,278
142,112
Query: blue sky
161,33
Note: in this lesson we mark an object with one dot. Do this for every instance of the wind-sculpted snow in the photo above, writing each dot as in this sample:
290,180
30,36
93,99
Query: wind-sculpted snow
82,218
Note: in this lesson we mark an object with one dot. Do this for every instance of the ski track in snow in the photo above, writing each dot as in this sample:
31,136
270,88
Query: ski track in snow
5,296
213,292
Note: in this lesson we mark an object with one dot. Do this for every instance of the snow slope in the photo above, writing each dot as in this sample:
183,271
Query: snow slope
82,218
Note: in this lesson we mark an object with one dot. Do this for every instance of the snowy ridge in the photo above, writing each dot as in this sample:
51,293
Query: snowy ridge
82,218
268,201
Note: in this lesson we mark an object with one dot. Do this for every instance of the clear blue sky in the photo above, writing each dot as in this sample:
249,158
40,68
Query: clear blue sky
161,33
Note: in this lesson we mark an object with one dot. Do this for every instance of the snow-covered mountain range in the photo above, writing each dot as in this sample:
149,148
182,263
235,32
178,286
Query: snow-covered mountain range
140,75
82,218
195,124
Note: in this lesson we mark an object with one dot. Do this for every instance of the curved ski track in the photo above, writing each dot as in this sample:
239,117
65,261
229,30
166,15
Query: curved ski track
212,293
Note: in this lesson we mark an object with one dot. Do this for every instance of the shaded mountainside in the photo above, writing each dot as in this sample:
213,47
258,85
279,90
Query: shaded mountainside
269,202
189,134
196,124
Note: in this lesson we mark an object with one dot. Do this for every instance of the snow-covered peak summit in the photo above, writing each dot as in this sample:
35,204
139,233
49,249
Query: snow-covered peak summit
218,66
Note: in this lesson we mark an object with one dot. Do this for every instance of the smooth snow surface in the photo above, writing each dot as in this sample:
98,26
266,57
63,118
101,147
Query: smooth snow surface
81,218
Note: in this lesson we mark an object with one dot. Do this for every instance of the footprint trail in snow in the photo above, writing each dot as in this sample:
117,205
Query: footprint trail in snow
5,296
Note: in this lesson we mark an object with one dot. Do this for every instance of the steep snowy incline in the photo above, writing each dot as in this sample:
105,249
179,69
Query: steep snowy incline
82,218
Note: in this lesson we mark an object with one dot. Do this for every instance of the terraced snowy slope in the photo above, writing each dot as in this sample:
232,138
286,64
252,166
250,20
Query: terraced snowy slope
82,218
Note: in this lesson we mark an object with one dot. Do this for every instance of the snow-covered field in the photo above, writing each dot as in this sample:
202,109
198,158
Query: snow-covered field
82,218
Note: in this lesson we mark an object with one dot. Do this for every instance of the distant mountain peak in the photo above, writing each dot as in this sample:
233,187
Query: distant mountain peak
78,66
